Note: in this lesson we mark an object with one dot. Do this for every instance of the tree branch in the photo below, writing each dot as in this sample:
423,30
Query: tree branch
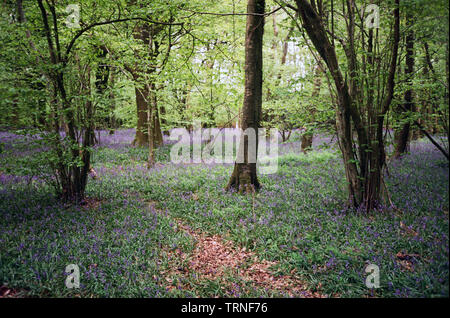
231,14
82,31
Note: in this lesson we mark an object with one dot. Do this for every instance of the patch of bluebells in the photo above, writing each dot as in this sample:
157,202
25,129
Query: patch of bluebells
299,218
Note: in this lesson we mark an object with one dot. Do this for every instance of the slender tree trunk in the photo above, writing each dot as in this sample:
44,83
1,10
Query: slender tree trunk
363,164
112,118
244,176
157,132
163,121
150,129
377,156
307,137
72,177
20,19
102,77
402,135
102,74
447,95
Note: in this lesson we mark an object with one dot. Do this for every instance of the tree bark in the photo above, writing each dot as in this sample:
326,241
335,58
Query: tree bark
363,164
72,177
142,99
307,137
402,135
146,97
244,177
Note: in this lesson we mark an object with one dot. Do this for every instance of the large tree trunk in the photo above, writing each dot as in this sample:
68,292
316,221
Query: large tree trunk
402,135
244,176
145,91
146,98
142,100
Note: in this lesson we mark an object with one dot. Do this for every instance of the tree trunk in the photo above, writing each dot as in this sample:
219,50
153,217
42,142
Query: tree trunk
146,97
163,121
402,135
142,99
244,176
157,133
307,137
72,177
363,164
112,118
150,128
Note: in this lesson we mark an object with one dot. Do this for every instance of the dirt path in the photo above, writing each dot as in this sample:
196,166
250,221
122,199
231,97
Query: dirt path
215,258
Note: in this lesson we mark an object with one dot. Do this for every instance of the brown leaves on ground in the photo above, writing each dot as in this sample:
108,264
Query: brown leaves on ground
407,230
213,258
91,203
406,256
406,260
6,292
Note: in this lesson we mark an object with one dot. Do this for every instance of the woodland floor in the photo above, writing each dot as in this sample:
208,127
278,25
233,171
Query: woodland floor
173,231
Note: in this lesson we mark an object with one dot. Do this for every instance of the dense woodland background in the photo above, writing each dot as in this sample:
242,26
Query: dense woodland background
362,111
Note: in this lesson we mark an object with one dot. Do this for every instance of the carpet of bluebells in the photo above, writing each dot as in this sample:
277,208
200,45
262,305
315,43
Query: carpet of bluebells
299,219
